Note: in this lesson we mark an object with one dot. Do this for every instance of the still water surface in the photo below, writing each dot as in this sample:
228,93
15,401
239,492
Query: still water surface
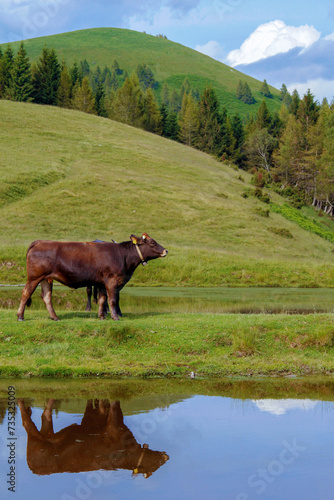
218,439
142,300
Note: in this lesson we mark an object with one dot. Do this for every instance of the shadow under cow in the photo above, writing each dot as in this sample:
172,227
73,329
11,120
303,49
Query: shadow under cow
101,441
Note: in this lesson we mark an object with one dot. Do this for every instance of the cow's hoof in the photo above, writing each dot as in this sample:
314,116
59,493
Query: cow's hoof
20,319
55,319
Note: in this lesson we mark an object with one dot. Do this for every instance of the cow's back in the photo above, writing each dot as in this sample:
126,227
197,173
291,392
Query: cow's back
71,263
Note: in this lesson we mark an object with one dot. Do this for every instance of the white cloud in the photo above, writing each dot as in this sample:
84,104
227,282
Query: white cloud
270,39
212,49
281,406
158,20
330,37
319,87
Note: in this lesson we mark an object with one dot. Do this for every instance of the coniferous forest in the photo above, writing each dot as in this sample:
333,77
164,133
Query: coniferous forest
291,150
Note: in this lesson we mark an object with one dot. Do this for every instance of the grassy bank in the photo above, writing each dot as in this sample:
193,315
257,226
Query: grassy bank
165,345
162,392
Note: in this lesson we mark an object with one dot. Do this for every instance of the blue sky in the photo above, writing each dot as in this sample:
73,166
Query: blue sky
289,42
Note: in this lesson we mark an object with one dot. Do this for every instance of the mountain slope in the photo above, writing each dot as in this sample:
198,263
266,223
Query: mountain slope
170,61
73,176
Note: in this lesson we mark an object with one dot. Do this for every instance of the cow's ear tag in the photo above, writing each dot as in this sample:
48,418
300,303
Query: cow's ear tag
134,241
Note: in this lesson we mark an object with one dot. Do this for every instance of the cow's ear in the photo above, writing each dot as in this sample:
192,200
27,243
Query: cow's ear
144,236
134,239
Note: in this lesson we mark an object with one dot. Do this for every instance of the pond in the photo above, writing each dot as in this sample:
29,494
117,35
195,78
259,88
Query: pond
191,299
167,439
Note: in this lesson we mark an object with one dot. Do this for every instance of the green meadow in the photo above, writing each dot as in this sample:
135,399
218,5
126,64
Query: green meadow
72,176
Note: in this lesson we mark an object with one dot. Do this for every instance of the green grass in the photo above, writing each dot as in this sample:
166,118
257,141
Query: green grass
147,345
305,221
170,62
73,176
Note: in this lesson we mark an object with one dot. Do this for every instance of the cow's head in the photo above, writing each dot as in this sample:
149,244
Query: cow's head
148,248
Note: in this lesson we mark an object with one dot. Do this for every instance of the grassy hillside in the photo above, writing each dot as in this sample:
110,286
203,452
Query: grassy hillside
73,176
170,61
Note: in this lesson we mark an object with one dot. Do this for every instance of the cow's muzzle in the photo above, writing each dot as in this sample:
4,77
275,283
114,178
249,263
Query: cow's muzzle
164,253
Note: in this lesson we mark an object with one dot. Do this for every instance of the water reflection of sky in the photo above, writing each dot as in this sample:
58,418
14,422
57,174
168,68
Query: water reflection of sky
219,448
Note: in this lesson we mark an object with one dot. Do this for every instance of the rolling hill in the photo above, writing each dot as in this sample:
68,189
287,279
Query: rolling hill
171,62
73,176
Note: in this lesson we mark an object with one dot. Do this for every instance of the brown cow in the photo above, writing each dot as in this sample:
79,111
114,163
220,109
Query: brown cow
76,264
101,441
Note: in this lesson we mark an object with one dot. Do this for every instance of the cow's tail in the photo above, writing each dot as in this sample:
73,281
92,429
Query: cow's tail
29,301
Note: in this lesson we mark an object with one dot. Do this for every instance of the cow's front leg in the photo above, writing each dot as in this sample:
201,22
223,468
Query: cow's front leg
112,290
102,309
47,298
118,309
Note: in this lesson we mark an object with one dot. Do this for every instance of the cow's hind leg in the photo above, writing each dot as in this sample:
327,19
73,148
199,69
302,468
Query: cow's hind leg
27,292
89,298
47,298
112,291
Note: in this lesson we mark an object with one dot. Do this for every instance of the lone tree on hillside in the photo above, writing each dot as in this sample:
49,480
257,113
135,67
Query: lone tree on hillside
244,93
265,91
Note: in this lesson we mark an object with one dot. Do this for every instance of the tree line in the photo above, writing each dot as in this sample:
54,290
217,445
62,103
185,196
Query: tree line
291,149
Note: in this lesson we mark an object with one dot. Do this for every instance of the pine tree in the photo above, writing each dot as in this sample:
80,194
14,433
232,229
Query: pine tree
114,81
21,85
145,76
265,91
289,156
209,129
263,117
152,117
308,110
115,67
46,77
238,131
185,89
65,89
164,118
175,102
75,74
247,97
100,101
285,96
295,101
326,187
83,98
84,68
165,94
240,90
244,93
129,103
188,120
172,127
6,67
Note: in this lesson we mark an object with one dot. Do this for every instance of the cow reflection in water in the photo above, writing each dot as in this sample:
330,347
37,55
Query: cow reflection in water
101,441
